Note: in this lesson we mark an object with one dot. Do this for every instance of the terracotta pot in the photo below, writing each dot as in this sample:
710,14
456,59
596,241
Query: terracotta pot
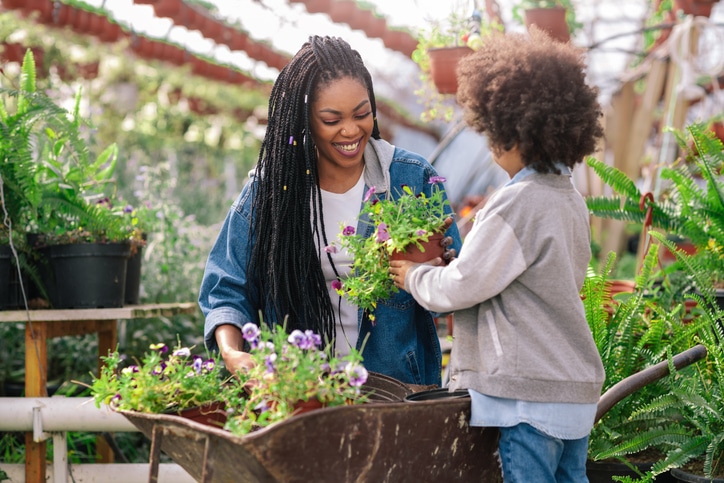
443,67
400,41
13,4
89,70
212,414
166,8
551,20
698,8
111,32
42,9
432,247
238,40
361,19
317,6
376,27
343,11
13,53
301,407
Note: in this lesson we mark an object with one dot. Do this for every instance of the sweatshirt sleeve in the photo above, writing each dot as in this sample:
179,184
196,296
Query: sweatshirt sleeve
491,258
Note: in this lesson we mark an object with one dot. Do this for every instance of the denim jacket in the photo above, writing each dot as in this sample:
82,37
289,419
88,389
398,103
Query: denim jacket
402,344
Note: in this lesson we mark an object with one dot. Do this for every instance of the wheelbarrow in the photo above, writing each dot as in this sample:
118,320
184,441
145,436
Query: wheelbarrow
389,439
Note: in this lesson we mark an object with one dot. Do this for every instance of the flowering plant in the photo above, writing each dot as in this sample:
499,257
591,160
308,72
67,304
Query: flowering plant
399,222
162,381
290,370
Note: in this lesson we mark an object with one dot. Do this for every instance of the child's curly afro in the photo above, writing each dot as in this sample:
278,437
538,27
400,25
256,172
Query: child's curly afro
530,90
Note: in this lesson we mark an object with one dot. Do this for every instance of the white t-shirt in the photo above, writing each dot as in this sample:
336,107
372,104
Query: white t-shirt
340,210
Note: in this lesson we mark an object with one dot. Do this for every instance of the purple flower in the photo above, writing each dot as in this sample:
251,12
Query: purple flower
182,352
269,362
382,233
314,339
356,373
436,179
369,193
337,285
250,332
330,249
297,338
420,232
160,347
209,365
348,230
198,362
158,370
128,209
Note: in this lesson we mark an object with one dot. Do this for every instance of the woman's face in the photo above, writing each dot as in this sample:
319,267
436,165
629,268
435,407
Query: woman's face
341,123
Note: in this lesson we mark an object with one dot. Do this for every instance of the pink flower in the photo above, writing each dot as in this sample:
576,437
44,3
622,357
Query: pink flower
369,193
337,286
382,234
330,249
436,179
348,230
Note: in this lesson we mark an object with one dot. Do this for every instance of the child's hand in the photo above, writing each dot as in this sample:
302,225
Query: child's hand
449,254
399,269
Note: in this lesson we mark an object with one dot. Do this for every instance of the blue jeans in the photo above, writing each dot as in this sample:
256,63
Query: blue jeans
531,456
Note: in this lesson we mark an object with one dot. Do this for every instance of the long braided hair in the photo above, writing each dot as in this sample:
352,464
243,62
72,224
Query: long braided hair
284,267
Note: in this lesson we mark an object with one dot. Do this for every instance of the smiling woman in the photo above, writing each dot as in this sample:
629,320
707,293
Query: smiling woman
322,151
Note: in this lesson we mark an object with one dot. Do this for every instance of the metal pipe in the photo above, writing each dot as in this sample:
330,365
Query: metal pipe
60,413
107,473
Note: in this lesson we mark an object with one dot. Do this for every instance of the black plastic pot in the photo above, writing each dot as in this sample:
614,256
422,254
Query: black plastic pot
680,475
133,277
604,471
11,296
435,394
85,275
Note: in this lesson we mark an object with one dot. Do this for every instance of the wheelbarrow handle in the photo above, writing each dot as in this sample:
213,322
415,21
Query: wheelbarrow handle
634,382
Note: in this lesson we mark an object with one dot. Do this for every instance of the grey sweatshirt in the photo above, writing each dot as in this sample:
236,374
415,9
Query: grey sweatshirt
520,329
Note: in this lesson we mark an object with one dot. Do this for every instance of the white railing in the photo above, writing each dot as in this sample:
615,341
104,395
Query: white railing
53,417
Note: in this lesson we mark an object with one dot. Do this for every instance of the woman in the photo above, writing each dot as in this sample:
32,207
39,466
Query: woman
321,152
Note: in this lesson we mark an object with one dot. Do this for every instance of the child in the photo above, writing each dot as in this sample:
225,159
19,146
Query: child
522,344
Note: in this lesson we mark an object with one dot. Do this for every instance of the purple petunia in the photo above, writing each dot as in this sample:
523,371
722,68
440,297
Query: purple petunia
348,230
369,193
297,338
356,373
420,232
436,179
182,352
269,362
160,347
382,234
198,363
128,209
250,332
337,285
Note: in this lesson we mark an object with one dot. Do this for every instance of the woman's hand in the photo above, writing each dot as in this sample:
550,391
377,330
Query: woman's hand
230,342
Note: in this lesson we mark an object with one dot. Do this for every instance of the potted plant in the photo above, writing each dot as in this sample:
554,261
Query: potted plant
164,381
691,206
556,17
686,423
63,200
293,373
644,328
397,222
439,49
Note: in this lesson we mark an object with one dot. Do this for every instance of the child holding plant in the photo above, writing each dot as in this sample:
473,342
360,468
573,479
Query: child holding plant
522,345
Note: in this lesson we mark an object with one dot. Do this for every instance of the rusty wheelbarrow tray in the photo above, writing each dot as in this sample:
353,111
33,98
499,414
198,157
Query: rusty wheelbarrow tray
379,441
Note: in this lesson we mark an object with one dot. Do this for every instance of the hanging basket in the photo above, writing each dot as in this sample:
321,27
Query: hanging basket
443,67
550,20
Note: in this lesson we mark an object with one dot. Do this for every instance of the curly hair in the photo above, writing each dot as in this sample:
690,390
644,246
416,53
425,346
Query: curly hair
284,266
531,91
